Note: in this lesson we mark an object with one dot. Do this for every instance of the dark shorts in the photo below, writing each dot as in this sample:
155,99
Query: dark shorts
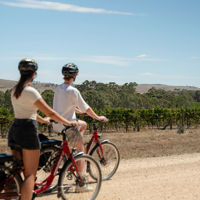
23,132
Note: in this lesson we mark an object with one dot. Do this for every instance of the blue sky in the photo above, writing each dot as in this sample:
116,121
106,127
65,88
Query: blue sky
143,41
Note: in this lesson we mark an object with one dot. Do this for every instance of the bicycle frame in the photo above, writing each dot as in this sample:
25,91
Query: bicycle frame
48,181
95,139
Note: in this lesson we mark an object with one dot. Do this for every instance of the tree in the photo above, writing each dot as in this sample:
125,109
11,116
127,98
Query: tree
95,99
7,98
48,97
6,117
2,99
197,96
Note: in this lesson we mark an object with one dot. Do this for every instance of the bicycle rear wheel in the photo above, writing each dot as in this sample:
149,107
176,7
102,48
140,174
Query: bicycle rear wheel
73,187
10,184
48,157
109,161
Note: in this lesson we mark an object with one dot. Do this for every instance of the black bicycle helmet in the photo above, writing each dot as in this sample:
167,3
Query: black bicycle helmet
69,70
27,65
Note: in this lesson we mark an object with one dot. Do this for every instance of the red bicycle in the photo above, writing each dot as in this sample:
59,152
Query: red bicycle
70,182
104,152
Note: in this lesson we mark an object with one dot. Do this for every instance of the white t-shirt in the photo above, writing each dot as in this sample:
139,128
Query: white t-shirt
24,107
66,100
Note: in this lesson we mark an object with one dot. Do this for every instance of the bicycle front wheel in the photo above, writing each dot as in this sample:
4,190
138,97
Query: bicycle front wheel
108,160
71,186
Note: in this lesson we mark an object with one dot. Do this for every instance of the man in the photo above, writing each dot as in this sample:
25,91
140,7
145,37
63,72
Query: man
67,102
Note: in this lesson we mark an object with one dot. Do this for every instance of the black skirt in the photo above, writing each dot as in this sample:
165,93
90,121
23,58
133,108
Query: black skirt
23,132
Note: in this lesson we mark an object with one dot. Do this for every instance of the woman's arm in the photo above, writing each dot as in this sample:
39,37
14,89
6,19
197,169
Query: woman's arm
43,120
49,112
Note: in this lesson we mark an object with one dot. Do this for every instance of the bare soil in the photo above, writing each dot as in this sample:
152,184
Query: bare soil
155,164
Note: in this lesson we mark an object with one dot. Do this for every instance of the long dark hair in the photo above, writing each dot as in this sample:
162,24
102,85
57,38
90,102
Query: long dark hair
24,79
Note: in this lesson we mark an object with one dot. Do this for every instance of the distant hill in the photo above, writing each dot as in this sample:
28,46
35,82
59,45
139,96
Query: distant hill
8,84
141,88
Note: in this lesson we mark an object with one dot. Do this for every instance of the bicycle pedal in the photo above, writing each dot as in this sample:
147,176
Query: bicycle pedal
73,150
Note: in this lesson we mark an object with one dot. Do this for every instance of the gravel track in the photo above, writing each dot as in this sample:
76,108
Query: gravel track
158,178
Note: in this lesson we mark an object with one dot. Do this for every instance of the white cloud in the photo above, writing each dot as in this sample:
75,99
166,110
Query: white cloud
142,56
50,5
146,57
195,58
108,60
119,61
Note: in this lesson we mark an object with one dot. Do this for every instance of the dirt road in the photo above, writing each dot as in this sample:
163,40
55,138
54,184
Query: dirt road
160,178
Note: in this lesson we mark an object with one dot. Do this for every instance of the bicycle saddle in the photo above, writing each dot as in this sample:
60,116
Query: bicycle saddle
5,157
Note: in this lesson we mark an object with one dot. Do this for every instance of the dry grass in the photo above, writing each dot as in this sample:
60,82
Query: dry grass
149,143
153,143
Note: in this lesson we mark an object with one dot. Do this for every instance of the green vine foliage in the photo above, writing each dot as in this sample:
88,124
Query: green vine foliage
126,109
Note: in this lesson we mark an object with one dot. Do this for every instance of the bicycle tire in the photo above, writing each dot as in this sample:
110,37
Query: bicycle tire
68,180
10,186
110,164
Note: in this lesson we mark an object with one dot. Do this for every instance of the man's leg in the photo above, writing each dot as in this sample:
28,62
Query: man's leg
80,145
83,126
81,164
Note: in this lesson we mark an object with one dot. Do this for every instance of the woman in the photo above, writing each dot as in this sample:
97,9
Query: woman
26,101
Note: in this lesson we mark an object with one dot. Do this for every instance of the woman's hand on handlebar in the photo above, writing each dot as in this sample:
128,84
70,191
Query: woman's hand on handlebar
47,120
43,120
